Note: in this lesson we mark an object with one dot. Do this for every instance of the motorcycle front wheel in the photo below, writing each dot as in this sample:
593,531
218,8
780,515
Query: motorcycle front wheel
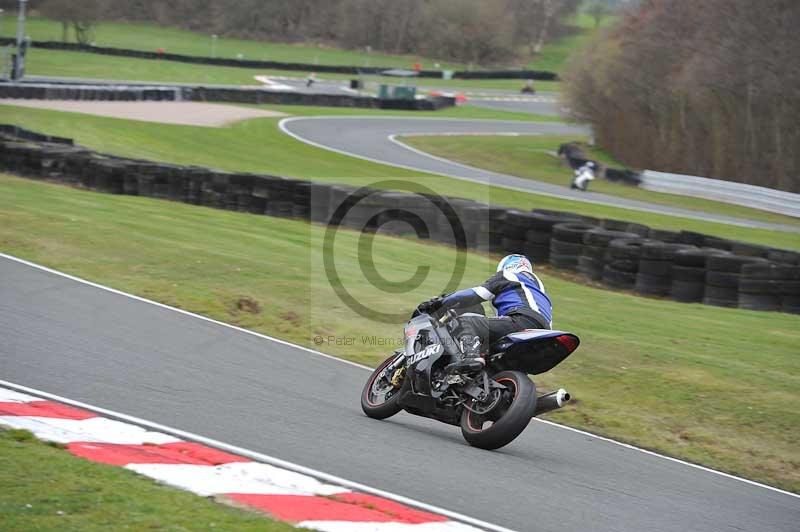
496,425
379,399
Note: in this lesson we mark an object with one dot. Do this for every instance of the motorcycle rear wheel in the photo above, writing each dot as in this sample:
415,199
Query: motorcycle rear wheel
502,425
374,406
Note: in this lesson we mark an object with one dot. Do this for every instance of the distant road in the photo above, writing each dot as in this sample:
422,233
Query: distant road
374,138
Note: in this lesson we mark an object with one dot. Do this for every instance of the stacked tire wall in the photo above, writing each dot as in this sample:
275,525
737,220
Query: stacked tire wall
684,266
108,92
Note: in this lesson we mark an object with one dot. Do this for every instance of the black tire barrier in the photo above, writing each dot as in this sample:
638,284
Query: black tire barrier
590,267
687,291
654,276
769,286
615,278
623,226
749,250
571,231
602,237
722,279
251,95
661,251
551,217
692,238
760,301
653,285
663,235
539,237
717,243
696,257
624,265
623,176
567,262
784,256
682,271
538,254
594,252
557,247
511,245
627,248
720,296
769,271
691,274
730,263
790,304
661,268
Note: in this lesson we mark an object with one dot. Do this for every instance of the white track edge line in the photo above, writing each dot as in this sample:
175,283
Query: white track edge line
259,457
362,366
282,127
181,311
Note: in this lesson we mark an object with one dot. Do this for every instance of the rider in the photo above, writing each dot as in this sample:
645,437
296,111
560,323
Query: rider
521,303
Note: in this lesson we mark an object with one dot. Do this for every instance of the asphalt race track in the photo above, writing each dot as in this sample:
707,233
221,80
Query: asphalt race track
373,138
112,351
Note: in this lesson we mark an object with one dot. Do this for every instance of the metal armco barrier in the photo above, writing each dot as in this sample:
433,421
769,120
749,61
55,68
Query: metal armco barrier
763,198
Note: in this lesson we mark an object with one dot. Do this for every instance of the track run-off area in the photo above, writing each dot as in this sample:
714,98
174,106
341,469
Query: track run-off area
109,349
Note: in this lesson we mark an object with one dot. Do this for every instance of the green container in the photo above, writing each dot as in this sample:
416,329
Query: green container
405,93
392,92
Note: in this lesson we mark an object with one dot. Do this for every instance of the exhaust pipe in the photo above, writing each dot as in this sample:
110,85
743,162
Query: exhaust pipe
551,401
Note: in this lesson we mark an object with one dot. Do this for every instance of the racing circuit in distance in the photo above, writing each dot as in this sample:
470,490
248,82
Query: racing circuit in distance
174,350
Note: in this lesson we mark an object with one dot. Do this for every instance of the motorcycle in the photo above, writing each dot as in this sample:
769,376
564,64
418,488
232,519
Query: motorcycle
493,405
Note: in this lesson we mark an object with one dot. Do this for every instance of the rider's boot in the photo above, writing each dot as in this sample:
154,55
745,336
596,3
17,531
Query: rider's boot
470,358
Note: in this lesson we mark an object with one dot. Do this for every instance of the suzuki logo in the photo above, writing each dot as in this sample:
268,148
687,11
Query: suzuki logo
433,349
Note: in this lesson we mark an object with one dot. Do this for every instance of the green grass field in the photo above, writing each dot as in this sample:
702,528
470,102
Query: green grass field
712,385
149,37
259,146
534,157
84,65
554,55
42,487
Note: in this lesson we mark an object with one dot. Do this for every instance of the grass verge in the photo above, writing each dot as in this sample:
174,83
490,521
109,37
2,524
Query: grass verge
712,385
150,37
259,146
534,157
43,487
85,65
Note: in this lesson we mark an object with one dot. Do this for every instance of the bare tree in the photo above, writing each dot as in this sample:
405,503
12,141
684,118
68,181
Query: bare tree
81,15
677,87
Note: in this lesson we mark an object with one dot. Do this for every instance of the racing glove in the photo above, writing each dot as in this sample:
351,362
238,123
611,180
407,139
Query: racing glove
430,306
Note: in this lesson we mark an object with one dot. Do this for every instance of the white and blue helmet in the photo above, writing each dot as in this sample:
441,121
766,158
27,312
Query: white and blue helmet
515,264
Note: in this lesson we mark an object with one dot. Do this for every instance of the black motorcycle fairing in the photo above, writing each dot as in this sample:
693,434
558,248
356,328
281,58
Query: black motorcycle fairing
532,351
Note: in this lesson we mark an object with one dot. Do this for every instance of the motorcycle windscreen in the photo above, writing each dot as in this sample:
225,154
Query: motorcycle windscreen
536,350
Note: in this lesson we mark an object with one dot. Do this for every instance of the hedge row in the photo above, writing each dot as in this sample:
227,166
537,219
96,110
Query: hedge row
684,266
277,65
213,94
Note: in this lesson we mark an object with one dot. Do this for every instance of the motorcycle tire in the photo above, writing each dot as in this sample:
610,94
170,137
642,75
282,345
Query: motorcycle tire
384,409
511,422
